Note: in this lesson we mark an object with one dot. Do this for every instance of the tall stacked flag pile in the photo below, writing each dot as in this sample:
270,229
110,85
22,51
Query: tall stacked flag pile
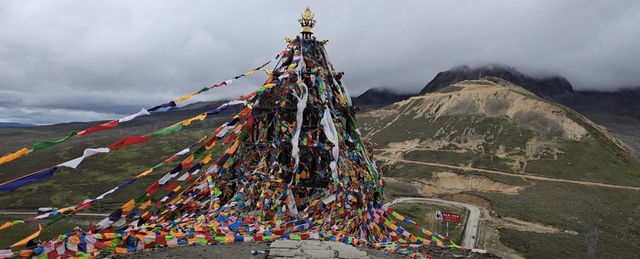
290,165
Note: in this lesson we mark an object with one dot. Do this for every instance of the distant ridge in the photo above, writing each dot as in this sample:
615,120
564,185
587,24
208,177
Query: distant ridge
548,87
379,97
14,125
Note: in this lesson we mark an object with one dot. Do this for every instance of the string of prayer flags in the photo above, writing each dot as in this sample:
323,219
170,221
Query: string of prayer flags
111,124
126,141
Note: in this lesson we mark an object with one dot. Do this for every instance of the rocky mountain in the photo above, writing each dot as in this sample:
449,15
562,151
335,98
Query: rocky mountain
618,111
496,118
378,97
540,170
547,87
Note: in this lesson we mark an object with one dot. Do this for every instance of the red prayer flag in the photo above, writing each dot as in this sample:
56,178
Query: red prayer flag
84,206
129,140
171,186
100,127
153,188
244,98
168,160
218,85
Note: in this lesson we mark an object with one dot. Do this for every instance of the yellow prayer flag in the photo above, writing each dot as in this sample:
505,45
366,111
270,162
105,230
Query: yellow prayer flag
206,159
10,157
128,206
250,72
145,173
233,148
145,205
187,160
121,250
26,239
74,240
183,98
6,225
199,117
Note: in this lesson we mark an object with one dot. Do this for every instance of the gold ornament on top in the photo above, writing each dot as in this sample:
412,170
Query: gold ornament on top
307,22
307,15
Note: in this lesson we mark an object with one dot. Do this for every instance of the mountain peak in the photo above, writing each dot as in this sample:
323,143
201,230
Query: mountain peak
545,86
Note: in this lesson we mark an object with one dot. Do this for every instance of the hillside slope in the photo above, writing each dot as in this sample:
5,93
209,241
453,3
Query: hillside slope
102,172
494,144
494,124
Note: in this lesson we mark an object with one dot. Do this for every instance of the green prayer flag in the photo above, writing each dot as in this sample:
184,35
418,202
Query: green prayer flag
167,130
203,89
55,219
140,198
45,144
199,152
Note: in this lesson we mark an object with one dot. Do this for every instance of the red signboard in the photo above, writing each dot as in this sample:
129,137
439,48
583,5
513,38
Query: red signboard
451,217
448,216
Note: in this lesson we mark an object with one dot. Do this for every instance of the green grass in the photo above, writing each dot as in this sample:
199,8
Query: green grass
589,161
576,207
561,205
452,158
424,215
595,158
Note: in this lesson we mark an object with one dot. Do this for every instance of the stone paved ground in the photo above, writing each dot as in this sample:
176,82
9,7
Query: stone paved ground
278,249
290,249
313,249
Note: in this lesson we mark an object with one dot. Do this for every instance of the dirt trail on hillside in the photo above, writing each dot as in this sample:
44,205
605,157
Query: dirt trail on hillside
422,149
448,182
526,176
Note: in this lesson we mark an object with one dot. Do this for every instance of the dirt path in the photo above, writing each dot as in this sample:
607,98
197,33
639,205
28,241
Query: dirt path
526,176
422,149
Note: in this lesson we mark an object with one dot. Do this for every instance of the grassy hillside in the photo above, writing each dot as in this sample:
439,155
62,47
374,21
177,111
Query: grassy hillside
102,172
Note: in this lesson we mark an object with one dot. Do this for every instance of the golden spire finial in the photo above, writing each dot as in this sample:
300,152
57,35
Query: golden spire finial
307,22
307,15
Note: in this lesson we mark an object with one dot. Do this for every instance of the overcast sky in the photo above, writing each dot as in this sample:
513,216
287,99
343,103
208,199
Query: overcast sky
63,61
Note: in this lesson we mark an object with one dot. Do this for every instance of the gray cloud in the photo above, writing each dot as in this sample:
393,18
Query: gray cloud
78,60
